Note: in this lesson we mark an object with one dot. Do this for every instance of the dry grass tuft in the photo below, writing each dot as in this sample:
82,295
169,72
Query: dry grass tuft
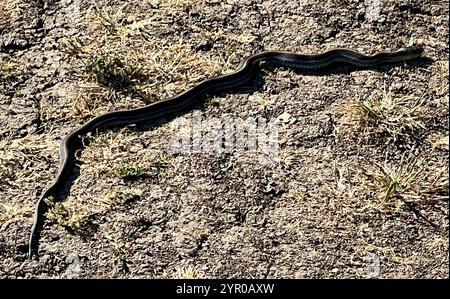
122,197
385,186
187,272
12,213
439,141
21,166
385,114
111,71
410,180
10,10
90,100
67,217
7,70
72,46
108,18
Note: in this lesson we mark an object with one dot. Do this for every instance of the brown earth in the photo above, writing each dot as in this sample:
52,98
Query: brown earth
360,177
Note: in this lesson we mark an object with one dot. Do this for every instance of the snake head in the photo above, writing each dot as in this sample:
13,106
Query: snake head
411,52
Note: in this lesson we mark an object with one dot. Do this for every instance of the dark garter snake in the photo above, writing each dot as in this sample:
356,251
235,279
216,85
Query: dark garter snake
242,75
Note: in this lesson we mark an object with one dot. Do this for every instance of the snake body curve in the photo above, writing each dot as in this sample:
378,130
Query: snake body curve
242,75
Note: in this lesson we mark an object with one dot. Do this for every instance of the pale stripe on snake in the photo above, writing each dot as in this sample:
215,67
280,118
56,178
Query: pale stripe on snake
242,75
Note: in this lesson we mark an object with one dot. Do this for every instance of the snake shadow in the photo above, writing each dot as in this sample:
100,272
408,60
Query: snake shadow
256,84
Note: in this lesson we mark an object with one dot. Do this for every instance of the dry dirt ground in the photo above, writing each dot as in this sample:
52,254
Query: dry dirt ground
358,186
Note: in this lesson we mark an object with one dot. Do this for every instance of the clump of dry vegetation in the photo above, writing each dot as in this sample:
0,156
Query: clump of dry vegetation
111,71
108,18
439,141
386,187
409,180
11,213
78,218
152,69
10,10
8,69
66,217
122,197
186,272
91,100
384,114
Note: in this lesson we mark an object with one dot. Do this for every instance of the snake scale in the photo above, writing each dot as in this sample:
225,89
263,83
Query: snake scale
244,73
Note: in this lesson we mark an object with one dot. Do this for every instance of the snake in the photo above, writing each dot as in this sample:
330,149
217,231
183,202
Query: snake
242,75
